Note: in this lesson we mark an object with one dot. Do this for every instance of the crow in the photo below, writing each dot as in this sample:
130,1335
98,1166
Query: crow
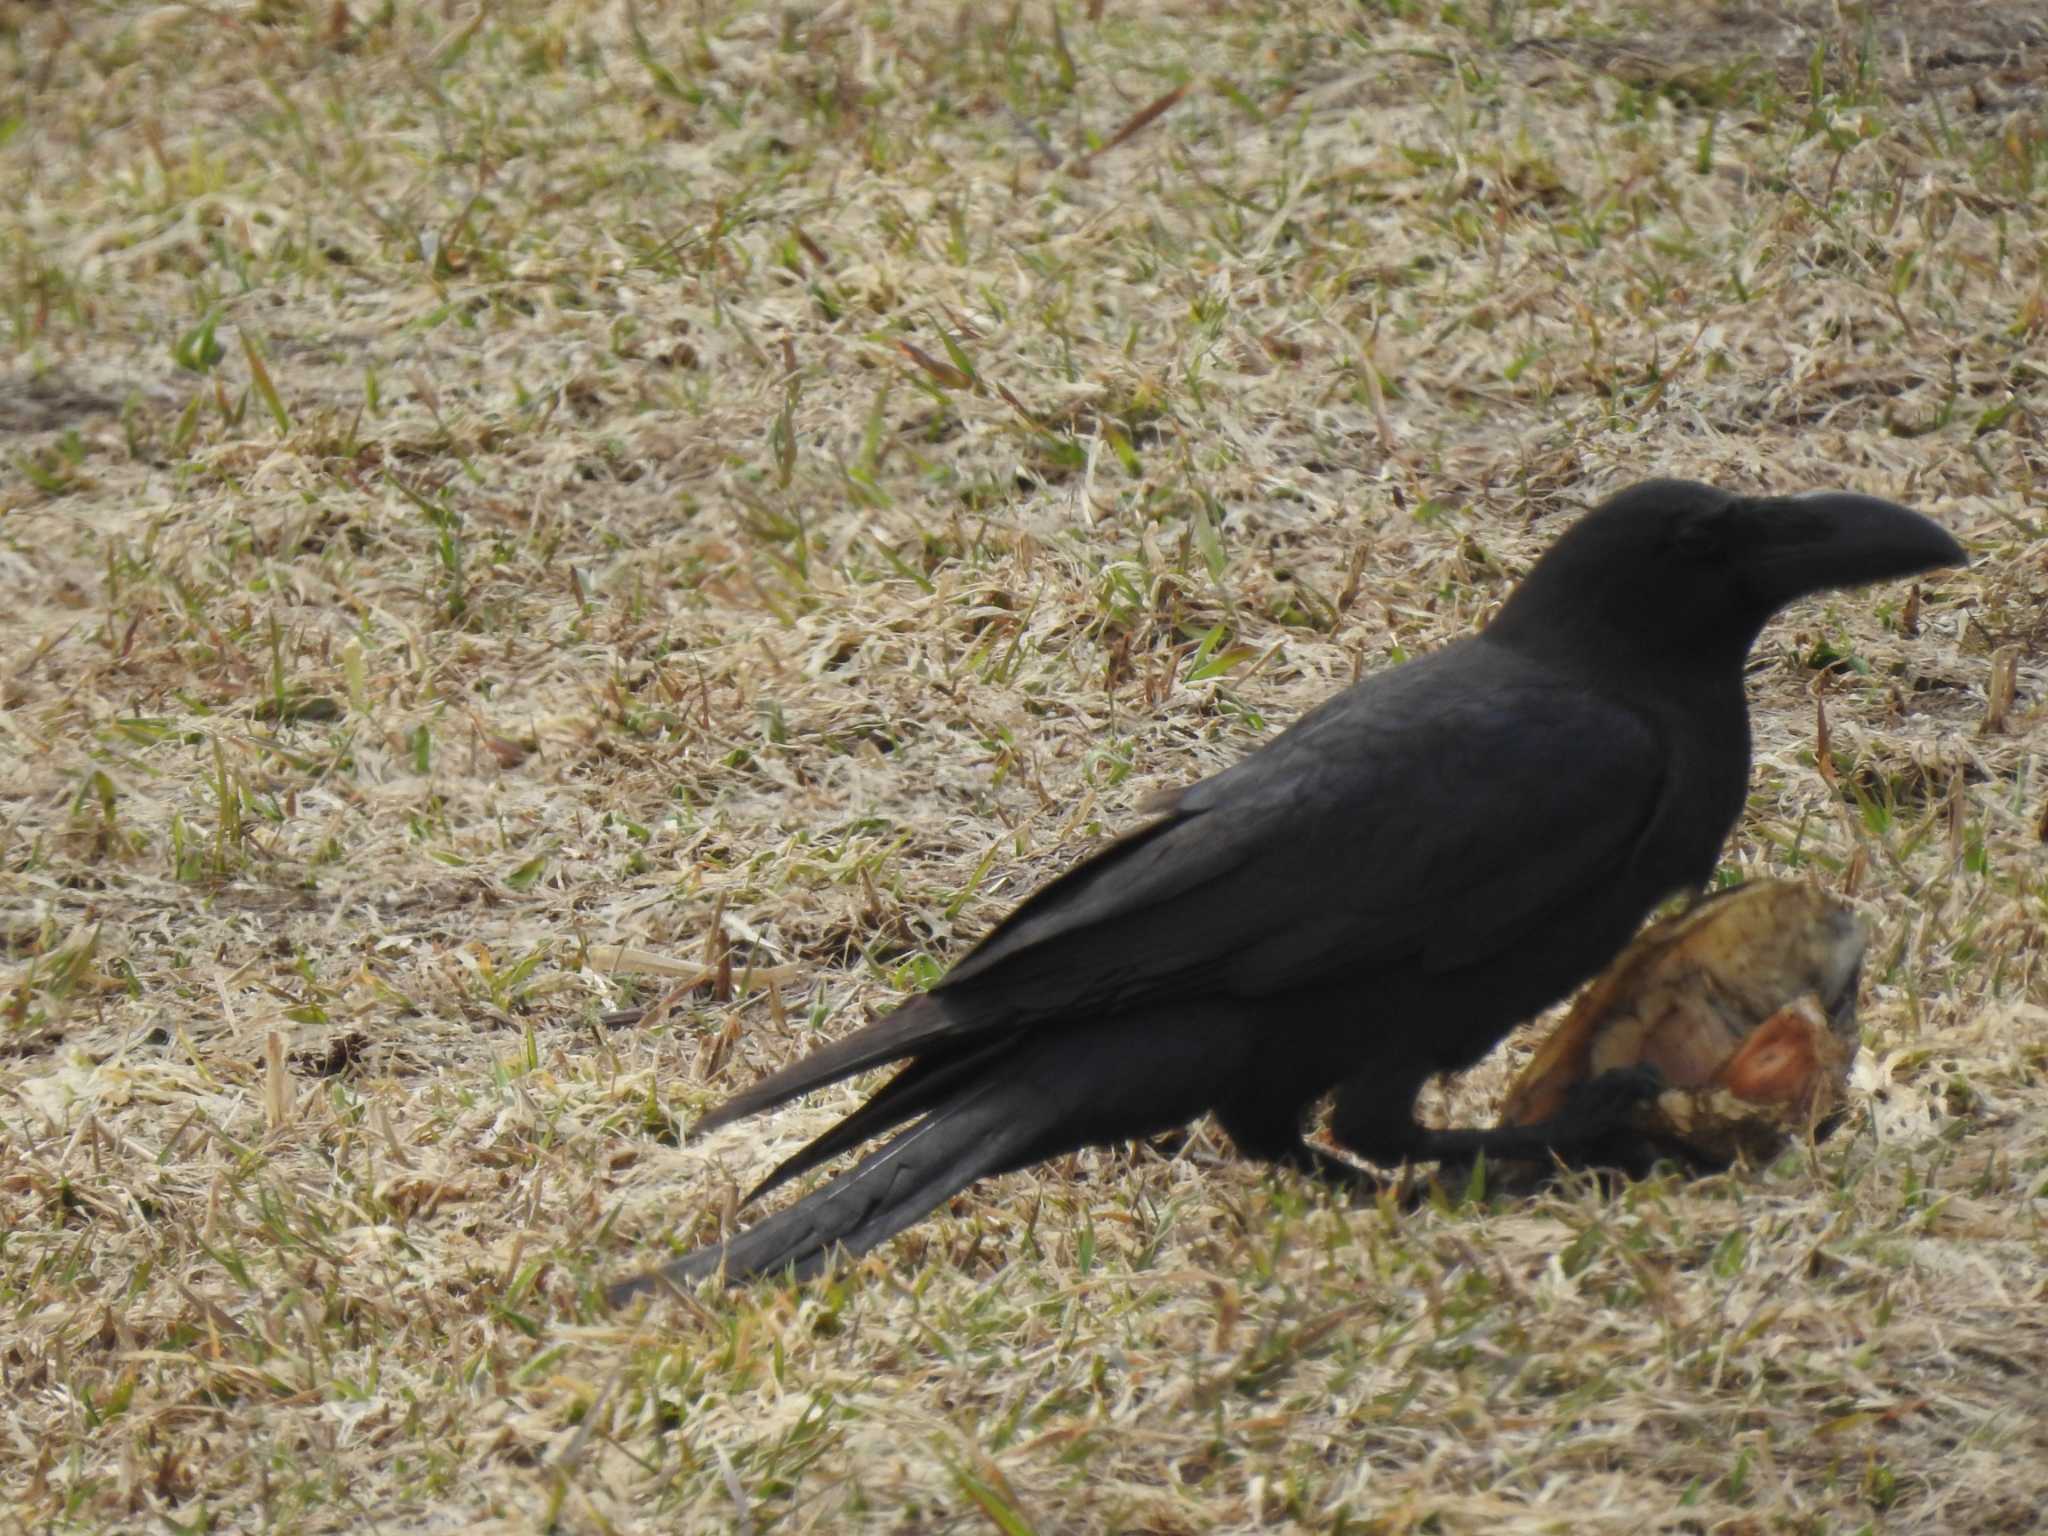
1375,896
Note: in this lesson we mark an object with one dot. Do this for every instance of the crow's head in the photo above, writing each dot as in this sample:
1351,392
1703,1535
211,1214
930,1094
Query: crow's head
1672,571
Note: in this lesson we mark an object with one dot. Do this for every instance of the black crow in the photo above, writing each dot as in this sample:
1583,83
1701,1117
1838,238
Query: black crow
1377,895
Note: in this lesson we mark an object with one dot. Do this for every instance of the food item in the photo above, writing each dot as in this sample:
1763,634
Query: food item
1745,1004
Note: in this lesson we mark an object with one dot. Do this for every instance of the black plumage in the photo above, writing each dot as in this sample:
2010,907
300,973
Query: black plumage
1377,895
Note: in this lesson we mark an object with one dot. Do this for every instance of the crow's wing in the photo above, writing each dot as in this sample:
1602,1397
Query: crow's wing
1428,815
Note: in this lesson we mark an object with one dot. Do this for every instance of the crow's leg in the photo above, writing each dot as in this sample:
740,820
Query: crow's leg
1272,1133
1595,1125
1375,1118
1345,1177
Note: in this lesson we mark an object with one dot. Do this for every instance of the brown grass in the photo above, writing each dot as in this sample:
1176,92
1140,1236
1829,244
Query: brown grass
513,511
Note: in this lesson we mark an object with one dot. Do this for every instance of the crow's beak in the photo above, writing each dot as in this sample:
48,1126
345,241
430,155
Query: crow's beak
1830,539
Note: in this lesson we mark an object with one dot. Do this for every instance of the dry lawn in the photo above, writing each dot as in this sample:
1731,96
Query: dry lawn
515,510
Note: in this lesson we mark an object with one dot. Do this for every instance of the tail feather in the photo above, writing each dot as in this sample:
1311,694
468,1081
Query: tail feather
988,1105
979,1134
917,1024
922,1085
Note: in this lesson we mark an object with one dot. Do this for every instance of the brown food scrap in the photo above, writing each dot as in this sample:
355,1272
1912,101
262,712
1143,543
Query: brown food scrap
1746,1004
1788,1057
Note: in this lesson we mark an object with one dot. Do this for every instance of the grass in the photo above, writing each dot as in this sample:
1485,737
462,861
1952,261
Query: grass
514,511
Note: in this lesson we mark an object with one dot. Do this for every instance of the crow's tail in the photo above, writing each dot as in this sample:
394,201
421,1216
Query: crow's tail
974,1113
985,1129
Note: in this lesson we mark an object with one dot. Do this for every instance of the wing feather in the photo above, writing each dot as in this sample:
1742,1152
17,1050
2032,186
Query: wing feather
1432,818
1428,816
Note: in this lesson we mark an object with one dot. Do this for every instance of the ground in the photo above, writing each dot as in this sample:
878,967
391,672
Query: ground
512,511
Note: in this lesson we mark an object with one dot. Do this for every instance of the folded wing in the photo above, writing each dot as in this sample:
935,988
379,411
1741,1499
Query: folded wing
1428,817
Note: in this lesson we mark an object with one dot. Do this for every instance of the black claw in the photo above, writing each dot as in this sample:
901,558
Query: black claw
1595,1128
1608,1102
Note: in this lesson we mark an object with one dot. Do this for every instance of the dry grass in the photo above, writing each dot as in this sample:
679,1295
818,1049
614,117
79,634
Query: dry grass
511,511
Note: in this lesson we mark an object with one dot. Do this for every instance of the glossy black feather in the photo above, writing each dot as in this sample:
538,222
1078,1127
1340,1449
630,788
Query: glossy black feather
1376,895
